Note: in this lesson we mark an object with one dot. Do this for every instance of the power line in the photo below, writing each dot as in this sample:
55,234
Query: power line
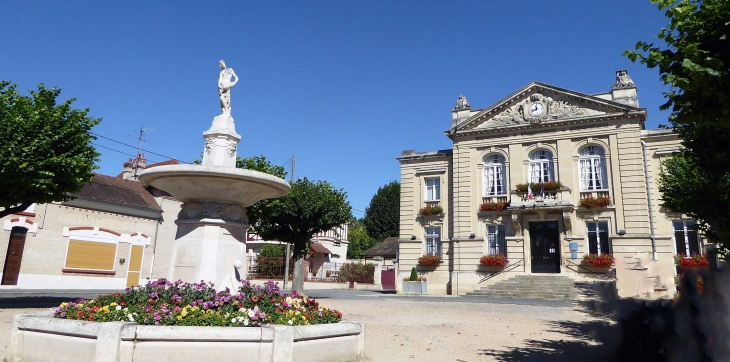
118,151
135,147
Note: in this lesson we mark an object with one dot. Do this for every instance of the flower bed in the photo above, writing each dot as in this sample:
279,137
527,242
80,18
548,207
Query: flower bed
591,202
493,206
537,186
183,304
430,210
599,261
494,260
694,261
430,260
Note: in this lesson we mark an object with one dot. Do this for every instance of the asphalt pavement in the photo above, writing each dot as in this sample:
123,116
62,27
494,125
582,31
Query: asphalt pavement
16,298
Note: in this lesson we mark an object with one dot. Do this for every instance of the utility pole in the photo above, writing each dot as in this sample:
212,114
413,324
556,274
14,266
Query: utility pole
140,139
288,246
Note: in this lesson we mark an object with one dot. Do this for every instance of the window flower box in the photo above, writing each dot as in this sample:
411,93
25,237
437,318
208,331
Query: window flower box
493,206
430,260
694,261
599,261
496,260
591,202
537,186
431,210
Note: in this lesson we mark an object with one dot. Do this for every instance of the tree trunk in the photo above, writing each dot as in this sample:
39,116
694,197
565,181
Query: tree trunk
298,282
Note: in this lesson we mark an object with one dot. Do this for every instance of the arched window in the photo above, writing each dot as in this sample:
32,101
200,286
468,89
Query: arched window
494,176
592,168
541,166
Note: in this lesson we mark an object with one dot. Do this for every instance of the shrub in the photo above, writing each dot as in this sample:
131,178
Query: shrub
494,260
599,261
414,274
357,272
591,202
270,267
430,260
493,206
184,304
431,210
274,251
696,260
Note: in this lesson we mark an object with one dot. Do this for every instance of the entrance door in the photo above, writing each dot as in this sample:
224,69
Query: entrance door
135,265
11,270
387,279
545,247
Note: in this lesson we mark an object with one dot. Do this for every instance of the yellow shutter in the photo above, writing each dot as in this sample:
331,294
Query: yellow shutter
91,255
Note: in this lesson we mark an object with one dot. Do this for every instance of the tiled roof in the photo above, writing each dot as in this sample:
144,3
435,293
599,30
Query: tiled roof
163,163
319,248
386,248
111,190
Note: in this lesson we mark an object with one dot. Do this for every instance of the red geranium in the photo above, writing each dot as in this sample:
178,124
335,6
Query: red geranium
696,260
494,260
599,261
430,260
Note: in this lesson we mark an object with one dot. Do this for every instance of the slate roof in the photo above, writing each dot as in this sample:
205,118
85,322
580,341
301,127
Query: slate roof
386,248
111,190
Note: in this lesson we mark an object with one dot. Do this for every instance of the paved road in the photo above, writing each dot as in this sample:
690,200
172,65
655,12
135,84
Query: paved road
51,298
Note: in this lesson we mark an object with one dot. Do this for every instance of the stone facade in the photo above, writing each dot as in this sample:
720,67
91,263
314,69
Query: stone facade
593,145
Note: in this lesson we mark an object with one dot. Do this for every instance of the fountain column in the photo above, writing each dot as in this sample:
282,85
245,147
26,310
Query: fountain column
210,244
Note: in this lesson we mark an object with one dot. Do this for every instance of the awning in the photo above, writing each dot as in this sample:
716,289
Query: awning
319,248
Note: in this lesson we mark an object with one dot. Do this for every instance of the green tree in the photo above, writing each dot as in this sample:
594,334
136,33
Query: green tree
358,239
274,251
45,148
694,62
310,208
382,216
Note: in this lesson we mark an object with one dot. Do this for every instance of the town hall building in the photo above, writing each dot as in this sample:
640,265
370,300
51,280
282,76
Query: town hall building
540,172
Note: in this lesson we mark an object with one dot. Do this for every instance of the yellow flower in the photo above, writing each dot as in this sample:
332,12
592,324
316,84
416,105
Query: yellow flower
113,304
64,304
179,317
297,313
184,313
105,308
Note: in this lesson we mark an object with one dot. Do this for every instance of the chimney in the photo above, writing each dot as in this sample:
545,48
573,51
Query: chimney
623,89
128,170
139,165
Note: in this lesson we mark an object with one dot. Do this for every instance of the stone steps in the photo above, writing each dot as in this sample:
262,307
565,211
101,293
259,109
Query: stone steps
529,287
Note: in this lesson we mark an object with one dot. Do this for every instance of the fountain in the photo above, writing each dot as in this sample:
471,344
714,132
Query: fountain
210,243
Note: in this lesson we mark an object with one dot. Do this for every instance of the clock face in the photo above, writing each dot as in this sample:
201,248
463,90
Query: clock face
537,109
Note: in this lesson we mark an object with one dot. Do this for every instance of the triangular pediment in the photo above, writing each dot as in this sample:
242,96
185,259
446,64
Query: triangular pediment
539,103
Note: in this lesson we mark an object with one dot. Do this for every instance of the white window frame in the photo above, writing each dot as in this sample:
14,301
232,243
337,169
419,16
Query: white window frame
433,191
495,176
433,241
592,168
686,241
597,231
493,233
541,166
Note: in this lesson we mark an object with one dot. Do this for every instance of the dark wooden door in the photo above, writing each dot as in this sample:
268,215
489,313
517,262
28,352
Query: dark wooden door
11,270
545,247
387,279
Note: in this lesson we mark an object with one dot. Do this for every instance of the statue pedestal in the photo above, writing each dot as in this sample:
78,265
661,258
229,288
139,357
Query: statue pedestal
221,142
210,250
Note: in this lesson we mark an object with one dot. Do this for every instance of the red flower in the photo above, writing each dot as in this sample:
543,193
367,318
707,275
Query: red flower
254,299
91,318
123,303
79,314
151,302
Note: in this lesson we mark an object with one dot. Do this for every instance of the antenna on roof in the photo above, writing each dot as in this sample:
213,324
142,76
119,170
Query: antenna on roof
140,139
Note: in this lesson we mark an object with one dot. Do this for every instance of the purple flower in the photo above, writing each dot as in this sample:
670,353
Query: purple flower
157,317
63,314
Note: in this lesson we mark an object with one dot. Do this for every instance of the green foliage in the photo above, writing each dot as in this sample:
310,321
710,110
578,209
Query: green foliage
695,61
357,272
382,216
269,250
359,240
429,210
537,186
699,193
46,151
259,163
310,208
414,274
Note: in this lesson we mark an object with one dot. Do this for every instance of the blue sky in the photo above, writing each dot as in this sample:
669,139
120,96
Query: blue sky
344,86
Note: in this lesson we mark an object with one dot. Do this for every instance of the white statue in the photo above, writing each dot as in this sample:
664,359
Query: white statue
226,81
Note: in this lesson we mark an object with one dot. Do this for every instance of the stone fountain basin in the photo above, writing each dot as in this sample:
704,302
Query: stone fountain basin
211,183
39,337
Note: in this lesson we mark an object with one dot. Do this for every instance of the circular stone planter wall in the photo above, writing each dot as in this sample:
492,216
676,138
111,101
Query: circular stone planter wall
39,337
